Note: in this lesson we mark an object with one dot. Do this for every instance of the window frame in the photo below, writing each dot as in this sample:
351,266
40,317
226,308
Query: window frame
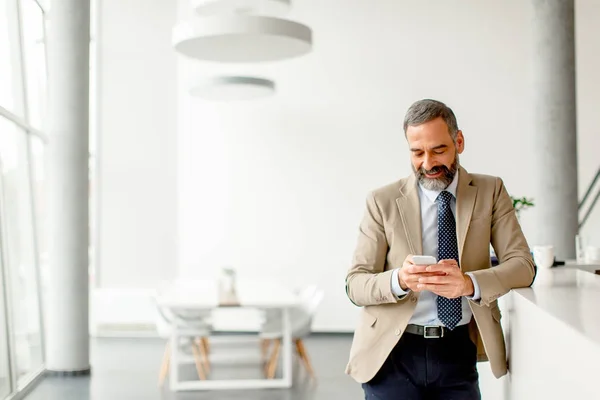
19,386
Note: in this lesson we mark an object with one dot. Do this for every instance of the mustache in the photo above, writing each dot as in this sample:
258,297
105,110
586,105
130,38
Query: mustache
434,170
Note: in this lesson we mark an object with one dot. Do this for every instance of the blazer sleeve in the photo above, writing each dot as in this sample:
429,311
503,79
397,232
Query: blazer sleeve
366,282
516,267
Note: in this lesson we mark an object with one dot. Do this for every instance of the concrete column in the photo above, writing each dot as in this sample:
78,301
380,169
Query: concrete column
555,155
66,304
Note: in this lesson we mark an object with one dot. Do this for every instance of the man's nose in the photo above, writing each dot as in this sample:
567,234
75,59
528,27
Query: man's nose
428,162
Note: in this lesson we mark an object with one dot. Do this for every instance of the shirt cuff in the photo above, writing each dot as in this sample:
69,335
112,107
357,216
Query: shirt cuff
396,289
476,292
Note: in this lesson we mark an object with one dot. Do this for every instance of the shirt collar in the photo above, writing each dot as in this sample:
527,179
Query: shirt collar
433,194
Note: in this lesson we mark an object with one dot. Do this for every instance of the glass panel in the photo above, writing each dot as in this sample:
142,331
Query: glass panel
7,55
20,249
35,60
39,197
4,361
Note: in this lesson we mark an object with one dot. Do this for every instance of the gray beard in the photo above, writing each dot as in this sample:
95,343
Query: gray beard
441,183
437,185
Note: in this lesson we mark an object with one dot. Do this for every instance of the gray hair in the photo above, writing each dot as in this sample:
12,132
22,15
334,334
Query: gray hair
427,110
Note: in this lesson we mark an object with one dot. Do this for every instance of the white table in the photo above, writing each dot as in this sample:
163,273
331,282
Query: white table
203,295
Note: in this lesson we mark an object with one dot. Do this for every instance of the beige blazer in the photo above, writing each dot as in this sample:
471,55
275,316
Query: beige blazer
391,230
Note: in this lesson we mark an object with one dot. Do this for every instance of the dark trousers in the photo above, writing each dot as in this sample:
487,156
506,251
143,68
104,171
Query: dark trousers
428,369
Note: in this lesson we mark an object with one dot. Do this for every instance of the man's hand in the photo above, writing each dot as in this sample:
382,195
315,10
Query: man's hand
450,282
409,274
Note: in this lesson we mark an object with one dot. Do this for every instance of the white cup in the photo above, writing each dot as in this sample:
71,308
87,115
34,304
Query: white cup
543,256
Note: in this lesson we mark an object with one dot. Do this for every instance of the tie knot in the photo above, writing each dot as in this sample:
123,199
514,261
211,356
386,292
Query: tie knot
445,197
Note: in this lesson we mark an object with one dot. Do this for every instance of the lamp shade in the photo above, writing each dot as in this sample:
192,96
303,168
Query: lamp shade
241,38
233,88
257,7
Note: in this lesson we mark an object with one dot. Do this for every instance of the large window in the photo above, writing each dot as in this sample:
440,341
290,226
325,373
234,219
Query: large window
8,53
5,386
34,54
19,249
22,112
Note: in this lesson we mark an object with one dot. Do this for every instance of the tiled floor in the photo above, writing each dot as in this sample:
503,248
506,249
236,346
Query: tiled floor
126,369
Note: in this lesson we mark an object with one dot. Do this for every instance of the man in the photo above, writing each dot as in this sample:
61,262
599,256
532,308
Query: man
422,328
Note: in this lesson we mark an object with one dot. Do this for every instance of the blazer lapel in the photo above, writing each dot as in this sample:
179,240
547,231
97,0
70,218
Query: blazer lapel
410,212
465,202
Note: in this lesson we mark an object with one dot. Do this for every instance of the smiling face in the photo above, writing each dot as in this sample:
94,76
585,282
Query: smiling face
434,154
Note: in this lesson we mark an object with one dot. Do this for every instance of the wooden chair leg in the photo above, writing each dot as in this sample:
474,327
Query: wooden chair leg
198,362
264,348
203,353
164,368
206,344
304,357
272,365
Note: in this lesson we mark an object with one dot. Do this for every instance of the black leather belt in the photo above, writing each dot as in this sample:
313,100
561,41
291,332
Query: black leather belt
428,332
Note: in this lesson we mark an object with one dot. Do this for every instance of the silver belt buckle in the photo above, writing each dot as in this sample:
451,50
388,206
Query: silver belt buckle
428,336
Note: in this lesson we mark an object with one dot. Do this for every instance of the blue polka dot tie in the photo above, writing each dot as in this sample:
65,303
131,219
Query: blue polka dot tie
449,310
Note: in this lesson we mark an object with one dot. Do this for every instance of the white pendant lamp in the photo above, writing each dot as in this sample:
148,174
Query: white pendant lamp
233,88
257,7
241,38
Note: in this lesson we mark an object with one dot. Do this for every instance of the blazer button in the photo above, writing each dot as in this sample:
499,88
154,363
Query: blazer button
414,299
397,332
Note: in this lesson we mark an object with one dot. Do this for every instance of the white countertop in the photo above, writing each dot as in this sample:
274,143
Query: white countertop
570,294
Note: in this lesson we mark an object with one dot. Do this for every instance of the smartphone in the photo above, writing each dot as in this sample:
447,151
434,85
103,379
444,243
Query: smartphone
424,260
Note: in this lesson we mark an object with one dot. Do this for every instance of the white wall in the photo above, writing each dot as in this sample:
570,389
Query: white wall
277,186
137,147
588,102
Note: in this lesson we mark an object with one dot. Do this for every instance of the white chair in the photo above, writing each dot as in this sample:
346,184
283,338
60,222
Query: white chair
194,328
301,319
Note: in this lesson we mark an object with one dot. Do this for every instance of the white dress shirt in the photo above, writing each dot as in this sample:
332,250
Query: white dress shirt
426,309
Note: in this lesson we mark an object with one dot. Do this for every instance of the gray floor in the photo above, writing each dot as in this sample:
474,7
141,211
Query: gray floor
4,389
128,369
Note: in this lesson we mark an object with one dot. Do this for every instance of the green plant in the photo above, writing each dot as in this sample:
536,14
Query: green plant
521,203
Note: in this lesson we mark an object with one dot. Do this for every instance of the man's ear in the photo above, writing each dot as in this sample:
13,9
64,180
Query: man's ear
460,142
